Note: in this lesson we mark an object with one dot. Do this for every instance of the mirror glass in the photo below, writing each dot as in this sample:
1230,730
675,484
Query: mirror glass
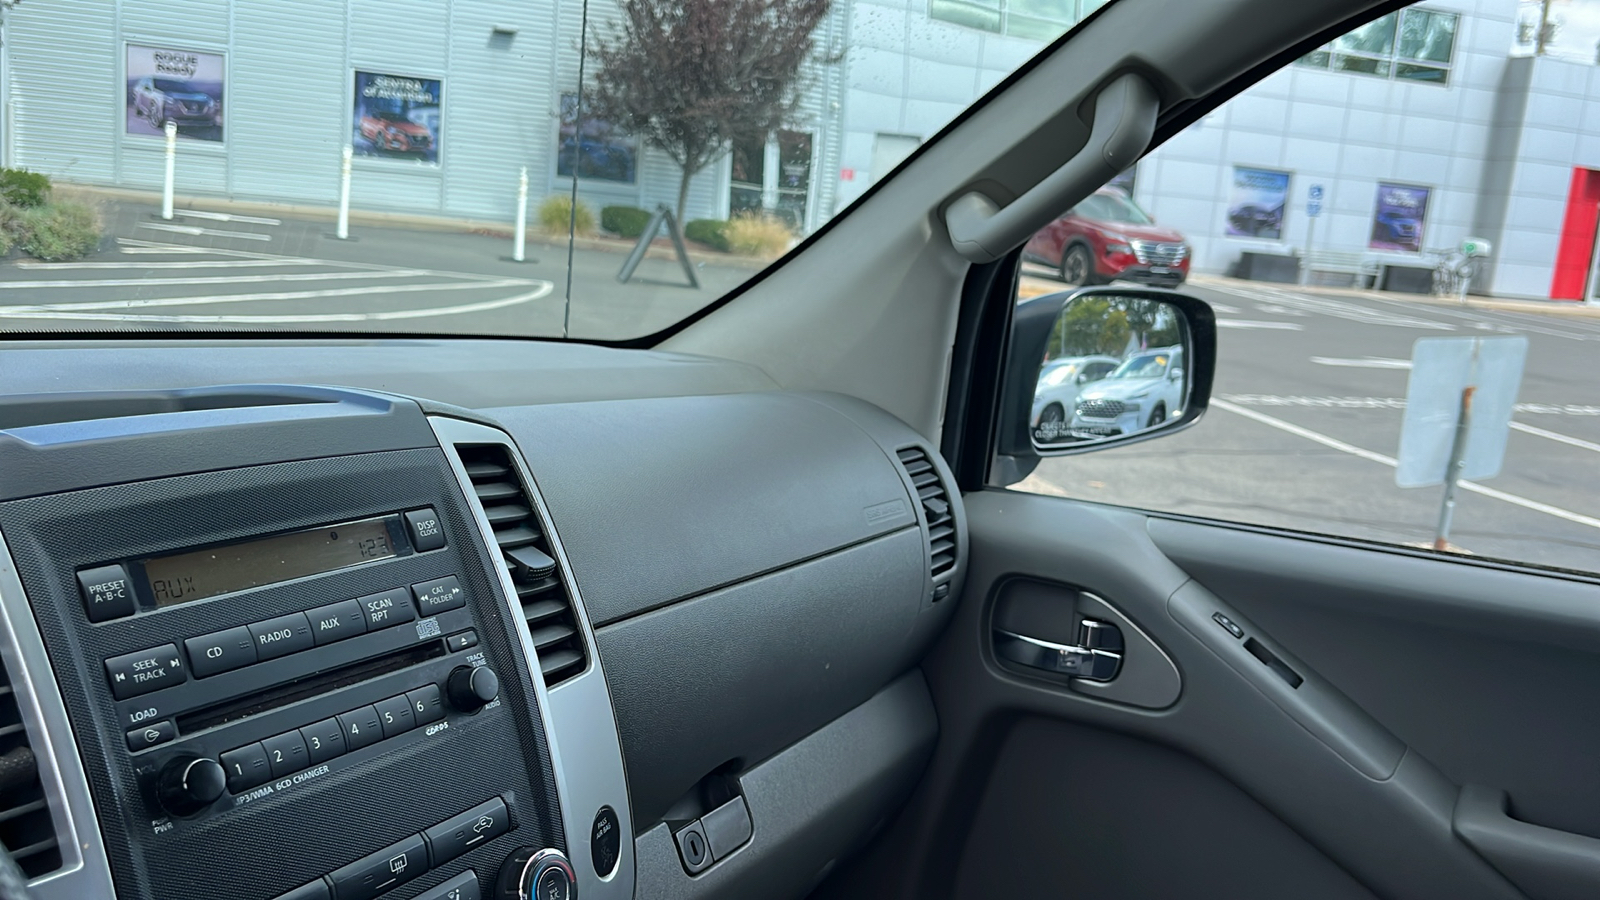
1115,365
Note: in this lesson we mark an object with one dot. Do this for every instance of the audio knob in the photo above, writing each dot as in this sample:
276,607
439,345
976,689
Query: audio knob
530,874
189,784
470,688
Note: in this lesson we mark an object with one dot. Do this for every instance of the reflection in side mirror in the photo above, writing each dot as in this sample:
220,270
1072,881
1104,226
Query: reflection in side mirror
1143,341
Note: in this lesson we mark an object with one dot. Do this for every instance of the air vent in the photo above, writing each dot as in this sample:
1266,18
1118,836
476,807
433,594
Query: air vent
25,825
528,557
935,507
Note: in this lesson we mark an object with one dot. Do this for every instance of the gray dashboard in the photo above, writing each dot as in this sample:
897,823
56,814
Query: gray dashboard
753,568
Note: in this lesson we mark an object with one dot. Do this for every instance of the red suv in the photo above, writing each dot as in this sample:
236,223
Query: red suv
1108,237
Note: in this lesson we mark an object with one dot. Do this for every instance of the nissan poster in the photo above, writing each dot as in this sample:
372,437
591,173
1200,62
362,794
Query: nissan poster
1397,221
396,117
1255,208
183,87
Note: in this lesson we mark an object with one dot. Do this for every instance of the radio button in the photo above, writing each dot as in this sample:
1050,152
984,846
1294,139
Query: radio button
247,767
439,595
361,728
392,607
479,825
336,621
133,674
396,716
324,740
285,753
107,593
388,868
427,532
281,636
428,703
151,735
221,651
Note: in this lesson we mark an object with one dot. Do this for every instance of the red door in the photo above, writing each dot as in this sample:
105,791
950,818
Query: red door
1576,253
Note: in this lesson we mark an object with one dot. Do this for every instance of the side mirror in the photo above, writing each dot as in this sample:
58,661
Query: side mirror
1167,345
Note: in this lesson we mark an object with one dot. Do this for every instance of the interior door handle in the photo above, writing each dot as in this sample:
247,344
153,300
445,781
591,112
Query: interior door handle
1097,656
1546,863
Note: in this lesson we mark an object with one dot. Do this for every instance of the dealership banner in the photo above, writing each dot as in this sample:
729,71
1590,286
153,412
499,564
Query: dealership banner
1255,208
593,147
1397,221
183,87
396,117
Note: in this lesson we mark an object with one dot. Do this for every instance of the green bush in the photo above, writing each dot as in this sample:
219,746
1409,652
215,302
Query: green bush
555,215
624,221
19,187
58,231
711,232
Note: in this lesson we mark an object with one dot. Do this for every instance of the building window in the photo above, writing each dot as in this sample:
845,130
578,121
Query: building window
593,148
772,176
1412,44
1042,20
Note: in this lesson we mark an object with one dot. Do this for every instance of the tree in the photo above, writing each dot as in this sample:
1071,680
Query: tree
692,76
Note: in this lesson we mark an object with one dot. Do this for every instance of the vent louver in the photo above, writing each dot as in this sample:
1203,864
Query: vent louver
528,558
935,502
26,828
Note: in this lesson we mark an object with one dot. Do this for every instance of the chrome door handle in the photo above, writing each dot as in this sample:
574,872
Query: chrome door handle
1089,662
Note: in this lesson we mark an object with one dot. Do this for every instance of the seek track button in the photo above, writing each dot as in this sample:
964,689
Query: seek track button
132,674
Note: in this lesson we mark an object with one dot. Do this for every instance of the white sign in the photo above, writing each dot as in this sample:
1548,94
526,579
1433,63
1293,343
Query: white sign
1442,369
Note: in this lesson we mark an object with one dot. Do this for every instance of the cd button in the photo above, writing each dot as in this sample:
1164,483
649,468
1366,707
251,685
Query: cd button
151,735
281,636
133,674
336,621
247,767
461,640
107,593
221,651
392,607
439,595
361,728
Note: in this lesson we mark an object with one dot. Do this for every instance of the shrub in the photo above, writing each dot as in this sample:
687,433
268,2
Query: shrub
711,232
19,187
64,230
624,221
758,234
555,215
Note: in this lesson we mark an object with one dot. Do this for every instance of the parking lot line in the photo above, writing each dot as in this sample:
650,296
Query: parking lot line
208,232
1551,435
211,279
1391,462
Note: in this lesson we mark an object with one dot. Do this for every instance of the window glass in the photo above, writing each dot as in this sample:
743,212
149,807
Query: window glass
1369,254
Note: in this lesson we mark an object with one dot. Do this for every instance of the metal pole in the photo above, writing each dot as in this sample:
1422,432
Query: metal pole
343,231
171,128
1458,453
1305,267
522,216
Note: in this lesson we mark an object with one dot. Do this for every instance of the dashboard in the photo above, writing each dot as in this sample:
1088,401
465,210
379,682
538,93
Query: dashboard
317,621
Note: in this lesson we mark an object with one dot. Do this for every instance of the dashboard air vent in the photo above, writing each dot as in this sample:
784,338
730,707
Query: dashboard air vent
935,502
25,825
529,559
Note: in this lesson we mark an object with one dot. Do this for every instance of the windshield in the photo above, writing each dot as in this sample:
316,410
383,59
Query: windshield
1150,366
1112,206
595,171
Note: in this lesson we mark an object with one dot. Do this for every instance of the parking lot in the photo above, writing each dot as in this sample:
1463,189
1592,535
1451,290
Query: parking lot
1305,424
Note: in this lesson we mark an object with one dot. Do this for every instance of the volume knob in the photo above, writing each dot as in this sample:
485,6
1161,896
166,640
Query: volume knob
189,784
470,688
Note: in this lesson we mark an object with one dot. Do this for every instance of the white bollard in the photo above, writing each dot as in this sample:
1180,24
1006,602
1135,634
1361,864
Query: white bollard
343,231
522,216
171,129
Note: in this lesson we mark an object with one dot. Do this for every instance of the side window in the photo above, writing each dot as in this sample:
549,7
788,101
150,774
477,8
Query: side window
1397,234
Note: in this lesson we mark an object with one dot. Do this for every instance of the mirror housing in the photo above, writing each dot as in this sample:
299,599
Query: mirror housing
1018,449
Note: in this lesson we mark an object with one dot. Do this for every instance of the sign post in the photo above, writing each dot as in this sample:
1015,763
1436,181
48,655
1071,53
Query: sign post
171,130
1313,210
342,232
520,239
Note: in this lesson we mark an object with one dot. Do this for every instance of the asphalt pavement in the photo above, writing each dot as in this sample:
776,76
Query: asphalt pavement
211,270
1304,429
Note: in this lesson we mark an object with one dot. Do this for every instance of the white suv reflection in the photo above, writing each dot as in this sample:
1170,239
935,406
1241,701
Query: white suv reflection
1146,390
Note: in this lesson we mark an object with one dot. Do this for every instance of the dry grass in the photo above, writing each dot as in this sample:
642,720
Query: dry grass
555,215
755,234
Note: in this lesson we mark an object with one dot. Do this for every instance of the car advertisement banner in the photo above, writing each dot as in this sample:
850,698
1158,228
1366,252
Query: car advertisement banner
1256,207
598,149
396,117
179,86
1397,220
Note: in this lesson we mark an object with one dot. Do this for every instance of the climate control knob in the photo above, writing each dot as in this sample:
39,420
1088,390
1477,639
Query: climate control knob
189,784
470,688
530,874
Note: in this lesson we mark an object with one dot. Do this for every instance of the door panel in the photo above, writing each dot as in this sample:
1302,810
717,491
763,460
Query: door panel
1346,777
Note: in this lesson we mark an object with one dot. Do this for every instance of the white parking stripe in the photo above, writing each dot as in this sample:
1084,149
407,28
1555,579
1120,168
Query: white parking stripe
308,319
180,264
1389,461
210,232
1271,326
1327,306
210,279
224,217
280,295
1565,439
1371,362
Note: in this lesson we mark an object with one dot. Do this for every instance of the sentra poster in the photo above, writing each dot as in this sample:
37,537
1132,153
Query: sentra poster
183,87
1398,219
396,117
1256,207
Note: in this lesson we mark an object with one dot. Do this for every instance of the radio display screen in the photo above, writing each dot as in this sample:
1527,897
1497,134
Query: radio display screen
199,574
